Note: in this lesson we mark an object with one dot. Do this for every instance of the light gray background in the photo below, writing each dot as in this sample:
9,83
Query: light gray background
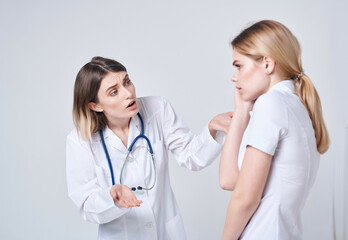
176,49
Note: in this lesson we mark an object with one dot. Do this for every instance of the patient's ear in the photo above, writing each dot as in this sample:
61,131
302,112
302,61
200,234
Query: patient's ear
95,107
269,64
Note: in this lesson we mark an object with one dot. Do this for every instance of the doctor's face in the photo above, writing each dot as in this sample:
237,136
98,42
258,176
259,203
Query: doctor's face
116,97
250,77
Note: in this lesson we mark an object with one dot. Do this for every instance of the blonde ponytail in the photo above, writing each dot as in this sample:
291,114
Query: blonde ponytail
310,98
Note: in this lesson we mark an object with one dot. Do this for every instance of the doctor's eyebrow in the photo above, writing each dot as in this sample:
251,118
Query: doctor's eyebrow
113,86
234,62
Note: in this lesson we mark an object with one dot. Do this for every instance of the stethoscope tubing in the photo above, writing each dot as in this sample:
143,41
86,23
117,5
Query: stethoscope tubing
141,135
108,157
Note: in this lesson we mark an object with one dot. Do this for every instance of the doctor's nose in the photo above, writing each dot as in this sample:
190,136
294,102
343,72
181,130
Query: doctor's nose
127,93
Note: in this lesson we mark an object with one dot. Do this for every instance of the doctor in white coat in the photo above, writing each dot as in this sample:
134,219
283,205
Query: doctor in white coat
106,109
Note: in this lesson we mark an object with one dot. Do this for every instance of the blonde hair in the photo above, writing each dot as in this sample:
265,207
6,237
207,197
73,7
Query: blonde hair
273,39
86,88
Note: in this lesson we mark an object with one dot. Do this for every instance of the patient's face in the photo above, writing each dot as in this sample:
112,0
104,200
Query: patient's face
250,77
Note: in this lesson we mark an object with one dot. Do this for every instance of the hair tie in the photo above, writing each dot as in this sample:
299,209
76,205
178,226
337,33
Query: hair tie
298,76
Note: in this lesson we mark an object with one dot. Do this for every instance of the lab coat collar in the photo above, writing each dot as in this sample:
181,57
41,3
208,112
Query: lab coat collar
112,139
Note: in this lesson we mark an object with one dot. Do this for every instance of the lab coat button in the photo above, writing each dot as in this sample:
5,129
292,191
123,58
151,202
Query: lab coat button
149,225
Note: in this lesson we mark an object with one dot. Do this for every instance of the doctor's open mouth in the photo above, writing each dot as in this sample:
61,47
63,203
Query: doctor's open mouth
132,103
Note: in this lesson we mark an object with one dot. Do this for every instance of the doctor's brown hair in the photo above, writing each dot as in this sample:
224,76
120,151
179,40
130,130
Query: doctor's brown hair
86,88
273,39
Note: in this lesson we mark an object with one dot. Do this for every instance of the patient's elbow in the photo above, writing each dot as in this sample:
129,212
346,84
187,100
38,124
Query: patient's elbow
246,201
227,184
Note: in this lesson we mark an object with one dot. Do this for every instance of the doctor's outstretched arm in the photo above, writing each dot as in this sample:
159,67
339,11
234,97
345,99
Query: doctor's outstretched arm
192,151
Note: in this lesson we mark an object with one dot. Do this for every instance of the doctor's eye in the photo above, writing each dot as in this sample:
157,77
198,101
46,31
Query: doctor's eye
237,66
128,82
113,93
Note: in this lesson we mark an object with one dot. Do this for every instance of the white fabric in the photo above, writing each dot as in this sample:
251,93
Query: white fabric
280,126
89,178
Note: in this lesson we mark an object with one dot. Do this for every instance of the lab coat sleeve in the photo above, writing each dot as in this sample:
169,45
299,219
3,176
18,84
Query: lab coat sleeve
191,151
95,203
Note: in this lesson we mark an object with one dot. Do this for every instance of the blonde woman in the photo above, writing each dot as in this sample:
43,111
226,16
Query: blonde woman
117,155
271,154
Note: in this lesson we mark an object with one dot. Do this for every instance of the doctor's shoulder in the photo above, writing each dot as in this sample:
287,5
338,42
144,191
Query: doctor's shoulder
151,105
75,138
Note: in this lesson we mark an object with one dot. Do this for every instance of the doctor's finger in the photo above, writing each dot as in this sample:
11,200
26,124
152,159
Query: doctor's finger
122,204
125,202
131,204
134,205
113,195
230,114
127,205
137,202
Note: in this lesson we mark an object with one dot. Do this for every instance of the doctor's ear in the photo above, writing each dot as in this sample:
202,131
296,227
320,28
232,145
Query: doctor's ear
95,107
269,65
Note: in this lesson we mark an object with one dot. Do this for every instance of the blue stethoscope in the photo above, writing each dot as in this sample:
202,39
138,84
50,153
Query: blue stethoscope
141,135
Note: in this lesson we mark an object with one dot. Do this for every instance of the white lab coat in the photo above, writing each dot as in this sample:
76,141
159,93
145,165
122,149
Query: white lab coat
89,178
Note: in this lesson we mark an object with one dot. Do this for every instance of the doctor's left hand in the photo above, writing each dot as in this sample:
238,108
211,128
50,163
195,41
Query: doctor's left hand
124,196
220,123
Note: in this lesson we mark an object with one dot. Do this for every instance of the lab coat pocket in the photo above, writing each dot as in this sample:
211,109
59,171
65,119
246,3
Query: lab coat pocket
175,229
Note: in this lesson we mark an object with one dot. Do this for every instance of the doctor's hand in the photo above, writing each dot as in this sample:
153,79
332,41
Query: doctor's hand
220,123
124,196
